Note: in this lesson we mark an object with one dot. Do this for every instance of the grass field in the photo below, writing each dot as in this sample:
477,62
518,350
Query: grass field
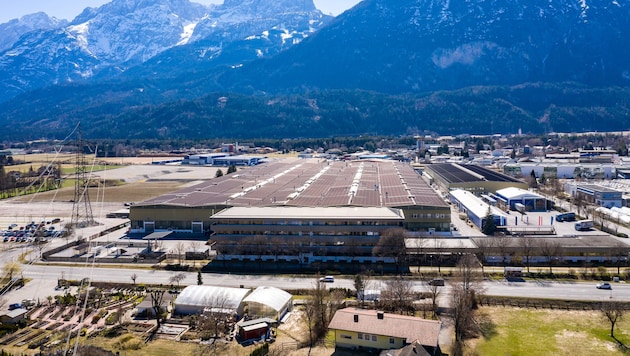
523,332
131,192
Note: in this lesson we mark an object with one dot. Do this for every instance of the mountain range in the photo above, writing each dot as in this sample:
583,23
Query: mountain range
252,68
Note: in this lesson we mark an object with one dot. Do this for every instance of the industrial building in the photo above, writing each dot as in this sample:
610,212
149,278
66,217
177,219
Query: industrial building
551,169
598,195
476,209
296,182
221,159
475,179
303,235
520,199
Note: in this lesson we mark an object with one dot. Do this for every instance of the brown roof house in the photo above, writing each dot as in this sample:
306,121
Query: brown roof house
371,330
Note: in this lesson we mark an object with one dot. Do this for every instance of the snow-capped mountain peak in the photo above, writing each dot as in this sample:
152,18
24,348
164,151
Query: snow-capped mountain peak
125,33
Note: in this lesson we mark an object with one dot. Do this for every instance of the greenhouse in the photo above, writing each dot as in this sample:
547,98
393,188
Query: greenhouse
268,302
197,299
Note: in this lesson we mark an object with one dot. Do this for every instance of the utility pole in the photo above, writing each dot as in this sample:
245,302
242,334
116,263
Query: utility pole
82,208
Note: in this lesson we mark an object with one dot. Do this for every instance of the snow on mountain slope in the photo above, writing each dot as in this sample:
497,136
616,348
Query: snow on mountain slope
11,31
126,33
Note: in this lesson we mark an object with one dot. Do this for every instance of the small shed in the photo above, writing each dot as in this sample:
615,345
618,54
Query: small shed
254,329
13,316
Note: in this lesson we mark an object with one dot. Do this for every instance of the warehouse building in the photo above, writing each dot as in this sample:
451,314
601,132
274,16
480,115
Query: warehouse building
476,209
297,183
557,170
598,195
475,179
521,200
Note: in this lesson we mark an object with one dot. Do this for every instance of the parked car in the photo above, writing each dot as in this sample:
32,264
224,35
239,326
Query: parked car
604,285
436,282
15,306
327,279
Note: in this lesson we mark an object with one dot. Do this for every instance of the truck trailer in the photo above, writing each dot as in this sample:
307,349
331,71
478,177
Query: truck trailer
583,225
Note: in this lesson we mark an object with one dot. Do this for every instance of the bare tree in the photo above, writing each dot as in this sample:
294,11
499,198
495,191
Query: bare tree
133,278
613,311
311,311
435,290
195,246
278,247
216,318
362,282
419,245
392,244
439,249
484,248
157,296
620,253
600,219
253,245
352,247
580,204
528,248
465,289
503,243
551,251
177,278
258,246
180,249
398,295
320,309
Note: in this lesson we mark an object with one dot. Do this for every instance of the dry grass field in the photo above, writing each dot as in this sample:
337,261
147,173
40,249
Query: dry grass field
136,192
517,331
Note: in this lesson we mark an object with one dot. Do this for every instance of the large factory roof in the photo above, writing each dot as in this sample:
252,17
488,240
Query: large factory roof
310,182
455,173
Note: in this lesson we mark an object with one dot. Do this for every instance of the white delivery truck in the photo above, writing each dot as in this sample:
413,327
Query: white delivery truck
584,225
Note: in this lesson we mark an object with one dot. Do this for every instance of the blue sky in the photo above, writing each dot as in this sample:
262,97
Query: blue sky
68,9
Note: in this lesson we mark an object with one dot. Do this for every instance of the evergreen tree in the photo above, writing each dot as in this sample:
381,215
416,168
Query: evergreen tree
199,278
533,183
219,173
489,227
231,169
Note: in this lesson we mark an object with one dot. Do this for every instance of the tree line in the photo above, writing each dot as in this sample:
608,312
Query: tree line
13,183
531,108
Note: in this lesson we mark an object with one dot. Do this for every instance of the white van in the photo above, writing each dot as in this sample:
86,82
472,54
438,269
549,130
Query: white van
327,279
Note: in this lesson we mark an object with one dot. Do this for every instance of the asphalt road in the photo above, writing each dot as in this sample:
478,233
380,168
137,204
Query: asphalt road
43,280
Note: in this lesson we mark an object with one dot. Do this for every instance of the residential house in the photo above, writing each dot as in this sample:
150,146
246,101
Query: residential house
371,330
